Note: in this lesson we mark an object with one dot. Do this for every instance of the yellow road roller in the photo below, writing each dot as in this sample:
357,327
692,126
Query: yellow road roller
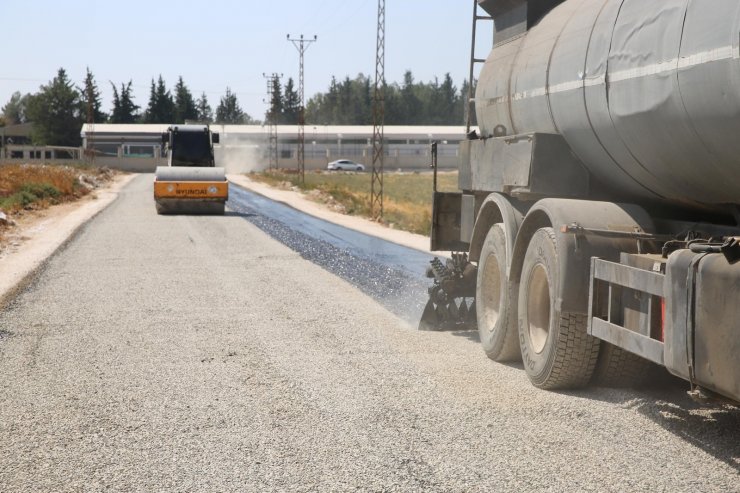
190,183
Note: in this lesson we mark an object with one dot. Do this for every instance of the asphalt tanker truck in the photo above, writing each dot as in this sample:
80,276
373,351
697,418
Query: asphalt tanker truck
190,183
598,223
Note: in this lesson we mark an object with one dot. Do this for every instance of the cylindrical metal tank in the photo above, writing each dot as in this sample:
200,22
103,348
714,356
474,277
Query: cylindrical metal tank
646,93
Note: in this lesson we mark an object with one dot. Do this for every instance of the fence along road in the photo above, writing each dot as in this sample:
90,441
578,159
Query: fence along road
197,353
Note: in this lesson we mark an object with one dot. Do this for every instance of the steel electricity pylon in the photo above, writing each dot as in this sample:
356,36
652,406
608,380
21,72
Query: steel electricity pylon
376,184
301,45
272,81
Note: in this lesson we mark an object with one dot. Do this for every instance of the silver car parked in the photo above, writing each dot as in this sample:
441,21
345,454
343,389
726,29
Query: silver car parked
345,165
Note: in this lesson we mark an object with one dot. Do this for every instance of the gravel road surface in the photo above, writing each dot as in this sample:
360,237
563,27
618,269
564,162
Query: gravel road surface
174,353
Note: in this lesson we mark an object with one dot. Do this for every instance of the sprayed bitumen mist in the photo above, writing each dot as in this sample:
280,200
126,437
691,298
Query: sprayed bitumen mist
391,274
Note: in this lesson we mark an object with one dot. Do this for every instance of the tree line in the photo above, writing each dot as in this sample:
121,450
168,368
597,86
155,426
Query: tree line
350,102
60,107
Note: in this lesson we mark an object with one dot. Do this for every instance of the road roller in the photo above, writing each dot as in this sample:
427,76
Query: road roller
597,223
190,183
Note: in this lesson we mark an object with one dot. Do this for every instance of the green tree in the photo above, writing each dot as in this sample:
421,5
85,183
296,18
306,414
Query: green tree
90,99
15,110
291,105
411,105
393,112
449,101
205,112
321,108
124,109
364,100
315,109
150,114
185,107
275,113
350,102
55,112
358,109
229,111
161,107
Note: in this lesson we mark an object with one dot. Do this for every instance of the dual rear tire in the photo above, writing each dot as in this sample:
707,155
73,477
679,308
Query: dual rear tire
527,323
496,320
556,350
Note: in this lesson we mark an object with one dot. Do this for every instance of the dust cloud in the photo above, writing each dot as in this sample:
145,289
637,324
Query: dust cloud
239,155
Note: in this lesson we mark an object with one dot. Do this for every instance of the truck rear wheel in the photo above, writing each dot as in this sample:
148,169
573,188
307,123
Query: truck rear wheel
556,350
496,318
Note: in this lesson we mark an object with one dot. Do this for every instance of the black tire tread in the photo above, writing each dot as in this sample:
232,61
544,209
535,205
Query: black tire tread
620,368
573,360
575,357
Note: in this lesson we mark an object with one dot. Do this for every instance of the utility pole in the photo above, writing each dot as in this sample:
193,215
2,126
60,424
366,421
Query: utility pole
272,81
301,45
376,185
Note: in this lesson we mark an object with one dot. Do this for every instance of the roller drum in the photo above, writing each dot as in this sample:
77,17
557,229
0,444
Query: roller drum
189,173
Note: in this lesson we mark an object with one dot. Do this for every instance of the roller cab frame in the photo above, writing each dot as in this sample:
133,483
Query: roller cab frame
190,183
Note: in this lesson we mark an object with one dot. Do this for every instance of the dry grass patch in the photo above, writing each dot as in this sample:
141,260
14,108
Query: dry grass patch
27,187
407,197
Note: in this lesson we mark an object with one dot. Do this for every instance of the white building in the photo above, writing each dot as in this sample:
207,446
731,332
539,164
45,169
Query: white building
137,147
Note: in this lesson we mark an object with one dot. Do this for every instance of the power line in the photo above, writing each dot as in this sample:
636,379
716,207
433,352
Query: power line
301,45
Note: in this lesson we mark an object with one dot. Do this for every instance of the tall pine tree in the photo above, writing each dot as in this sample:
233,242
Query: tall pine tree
229,111
411,105
275,113
185,108
291,105
90,99
205,112
161,108
124,109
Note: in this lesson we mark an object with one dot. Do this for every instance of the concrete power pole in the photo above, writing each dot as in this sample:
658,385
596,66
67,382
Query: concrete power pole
272,81
376,185
301,45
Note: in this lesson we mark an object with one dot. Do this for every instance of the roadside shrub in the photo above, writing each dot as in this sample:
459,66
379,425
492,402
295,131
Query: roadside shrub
18,200
41,190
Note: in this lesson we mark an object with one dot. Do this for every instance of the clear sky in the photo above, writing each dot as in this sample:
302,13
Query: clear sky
219,43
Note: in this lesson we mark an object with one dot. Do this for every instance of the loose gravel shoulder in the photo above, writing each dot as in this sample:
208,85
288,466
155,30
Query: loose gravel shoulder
182,353
37,237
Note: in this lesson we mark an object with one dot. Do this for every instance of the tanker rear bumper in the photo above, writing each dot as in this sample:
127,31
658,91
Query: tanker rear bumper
677,312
